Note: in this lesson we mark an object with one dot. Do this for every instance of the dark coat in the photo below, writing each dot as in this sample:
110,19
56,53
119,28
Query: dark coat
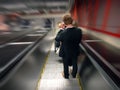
70,38
57,43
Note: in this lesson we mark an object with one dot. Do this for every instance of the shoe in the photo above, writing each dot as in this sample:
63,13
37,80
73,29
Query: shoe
73,76
66,77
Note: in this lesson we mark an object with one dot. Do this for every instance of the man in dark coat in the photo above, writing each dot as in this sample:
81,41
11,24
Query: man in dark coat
70,39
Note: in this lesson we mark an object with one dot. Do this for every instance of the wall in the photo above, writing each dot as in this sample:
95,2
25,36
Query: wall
100,17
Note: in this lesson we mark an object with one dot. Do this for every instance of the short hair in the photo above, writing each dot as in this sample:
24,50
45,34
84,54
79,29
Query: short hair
67,19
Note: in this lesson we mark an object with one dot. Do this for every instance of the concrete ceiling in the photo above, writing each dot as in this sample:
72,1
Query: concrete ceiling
35,6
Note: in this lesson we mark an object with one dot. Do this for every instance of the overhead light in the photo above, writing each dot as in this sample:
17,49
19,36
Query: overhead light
14,6
31,11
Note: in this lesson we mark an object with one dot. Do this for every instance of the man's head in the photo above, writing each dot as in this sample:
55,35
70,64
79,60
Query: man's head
67,19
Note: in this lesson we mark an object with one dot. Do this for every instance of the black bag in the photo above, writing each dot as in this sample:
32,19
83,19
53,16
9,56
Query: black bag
57,44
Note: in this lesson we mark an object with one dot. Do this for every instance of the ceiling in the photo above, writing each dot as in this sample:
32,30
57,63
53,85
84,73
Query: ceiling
35,6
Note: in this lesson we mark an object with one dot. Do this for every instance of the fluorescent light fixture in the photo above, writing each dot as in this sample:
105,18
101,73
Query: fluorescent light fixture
14,6
18,43
34,34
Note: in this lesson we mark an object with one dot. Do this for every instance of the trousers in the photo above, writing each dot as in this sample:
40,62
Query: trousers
66,61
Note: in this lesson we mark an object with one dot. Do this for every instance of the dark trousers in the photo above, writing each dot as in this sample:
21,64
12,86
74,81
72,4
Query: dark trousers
66,61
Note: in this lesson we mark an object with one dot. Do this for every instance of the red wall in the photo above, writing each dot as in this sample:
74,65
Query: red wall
98,15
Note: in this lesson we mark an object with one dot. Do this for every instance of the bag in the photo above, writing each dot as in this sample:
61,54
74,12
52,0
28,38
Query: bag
57,44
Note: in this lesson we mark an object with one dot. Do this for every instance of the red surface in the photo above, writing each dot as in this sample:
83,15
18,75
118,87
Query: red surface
106,14
98,15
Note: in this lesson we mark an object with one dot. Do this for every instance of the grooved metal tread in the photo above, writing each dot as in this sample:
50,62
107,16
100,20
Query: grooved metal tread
52,75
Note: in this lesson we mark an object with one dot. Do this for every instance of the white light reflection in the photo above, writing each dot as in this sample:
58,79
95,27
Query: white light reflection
34,35
17,43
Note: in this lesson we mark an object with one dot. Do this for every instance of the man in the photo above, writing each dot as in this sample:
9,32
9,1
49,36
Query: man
70,39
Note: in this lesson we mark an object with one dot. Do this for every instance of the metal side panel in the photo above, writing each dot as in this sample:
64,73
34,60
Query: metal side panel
25,75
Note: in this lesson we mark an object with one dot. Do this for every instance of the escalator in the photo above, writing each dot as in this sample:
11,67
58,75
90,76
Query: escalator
98,70
15,48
